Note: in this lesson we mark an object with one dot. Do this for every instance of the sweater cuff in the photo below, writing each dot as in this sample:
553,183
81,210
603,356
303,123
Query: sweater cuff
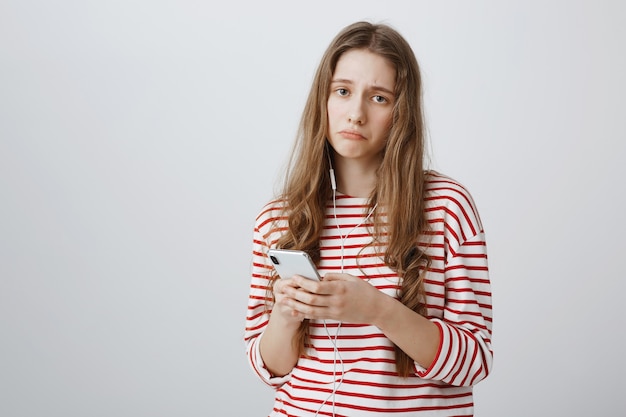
429,372
261,369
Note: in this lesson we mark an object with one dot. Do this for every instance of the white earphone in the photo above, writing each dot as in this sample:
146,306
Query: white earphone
333,339
333,183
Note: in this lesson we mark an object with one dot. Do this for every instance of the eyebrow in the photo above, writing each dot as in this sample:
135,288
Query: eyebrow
374,87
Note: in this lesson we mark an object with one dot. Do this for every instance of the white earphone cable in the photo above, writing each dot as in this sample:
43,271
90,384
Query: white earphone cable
333,339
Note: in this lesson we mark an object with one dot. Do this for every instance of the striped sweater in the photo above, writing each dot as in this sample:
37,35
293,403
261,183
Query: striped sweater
358,378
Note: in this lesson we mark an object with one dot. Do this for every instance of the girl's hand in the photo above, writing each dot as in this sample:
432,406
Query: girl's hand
282,305
341,297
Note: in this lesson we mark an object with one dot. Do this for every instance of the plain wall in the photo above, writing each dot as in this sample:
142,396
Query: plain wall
139,139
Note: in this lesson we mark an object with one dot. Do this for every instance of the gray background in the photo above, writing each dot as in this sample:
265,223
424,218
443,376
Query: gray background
139,139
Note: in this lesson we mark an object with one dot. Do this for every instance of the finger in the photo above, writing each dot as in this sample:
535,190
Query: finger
282,284
307,284
279,287
307,310
333,276
284,307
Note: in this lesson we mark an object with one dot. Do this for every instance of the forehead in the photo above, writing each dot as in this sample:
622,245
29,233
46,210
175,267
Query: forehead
363,66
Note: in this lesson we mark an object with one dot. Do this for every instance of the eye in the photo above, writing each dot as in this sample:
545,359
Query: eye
342,92
379,99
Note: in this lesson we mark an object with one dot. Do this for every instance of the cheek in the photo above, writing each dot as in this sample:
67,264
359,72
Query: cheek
383,122
333,110
331,119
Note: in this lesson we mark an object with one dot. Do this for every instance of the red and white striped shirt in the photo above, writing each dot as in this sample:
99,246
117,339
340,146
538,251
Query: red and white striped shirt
361,380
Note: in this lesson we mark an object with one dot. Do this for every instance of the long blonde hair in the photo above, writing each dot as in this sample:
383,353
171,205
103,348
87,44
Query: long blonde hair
399,186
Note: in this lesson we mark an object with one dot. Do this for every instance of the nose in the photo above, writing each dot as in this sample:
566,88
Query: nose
356,115
355,119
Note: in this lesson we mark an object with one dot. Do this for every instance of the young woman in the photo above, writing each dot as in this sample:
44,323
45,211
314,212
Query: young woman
401,322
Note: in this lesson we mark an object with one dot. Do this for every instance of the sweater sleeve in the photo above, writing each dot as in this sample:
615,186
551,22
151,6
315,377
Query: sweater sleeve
259,305
465,354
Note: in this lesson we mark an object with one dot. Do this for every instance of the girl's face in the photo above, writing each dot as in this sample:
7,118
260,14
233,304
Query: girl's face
360,105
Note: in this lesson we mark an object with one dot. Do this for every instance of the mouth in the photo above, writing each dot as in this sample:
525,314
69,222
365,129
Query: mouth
351,134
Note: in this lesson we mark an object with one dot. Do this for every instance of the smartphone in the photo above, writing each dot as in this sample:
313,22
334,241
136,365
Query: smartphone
288,263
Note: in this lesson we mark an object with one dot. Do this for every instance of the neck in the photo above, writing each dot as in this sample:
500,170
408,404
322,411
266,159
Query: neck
355,178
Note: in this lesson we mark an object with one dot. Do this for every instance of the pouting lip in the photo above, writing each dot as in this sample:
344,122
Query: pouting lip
351,134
